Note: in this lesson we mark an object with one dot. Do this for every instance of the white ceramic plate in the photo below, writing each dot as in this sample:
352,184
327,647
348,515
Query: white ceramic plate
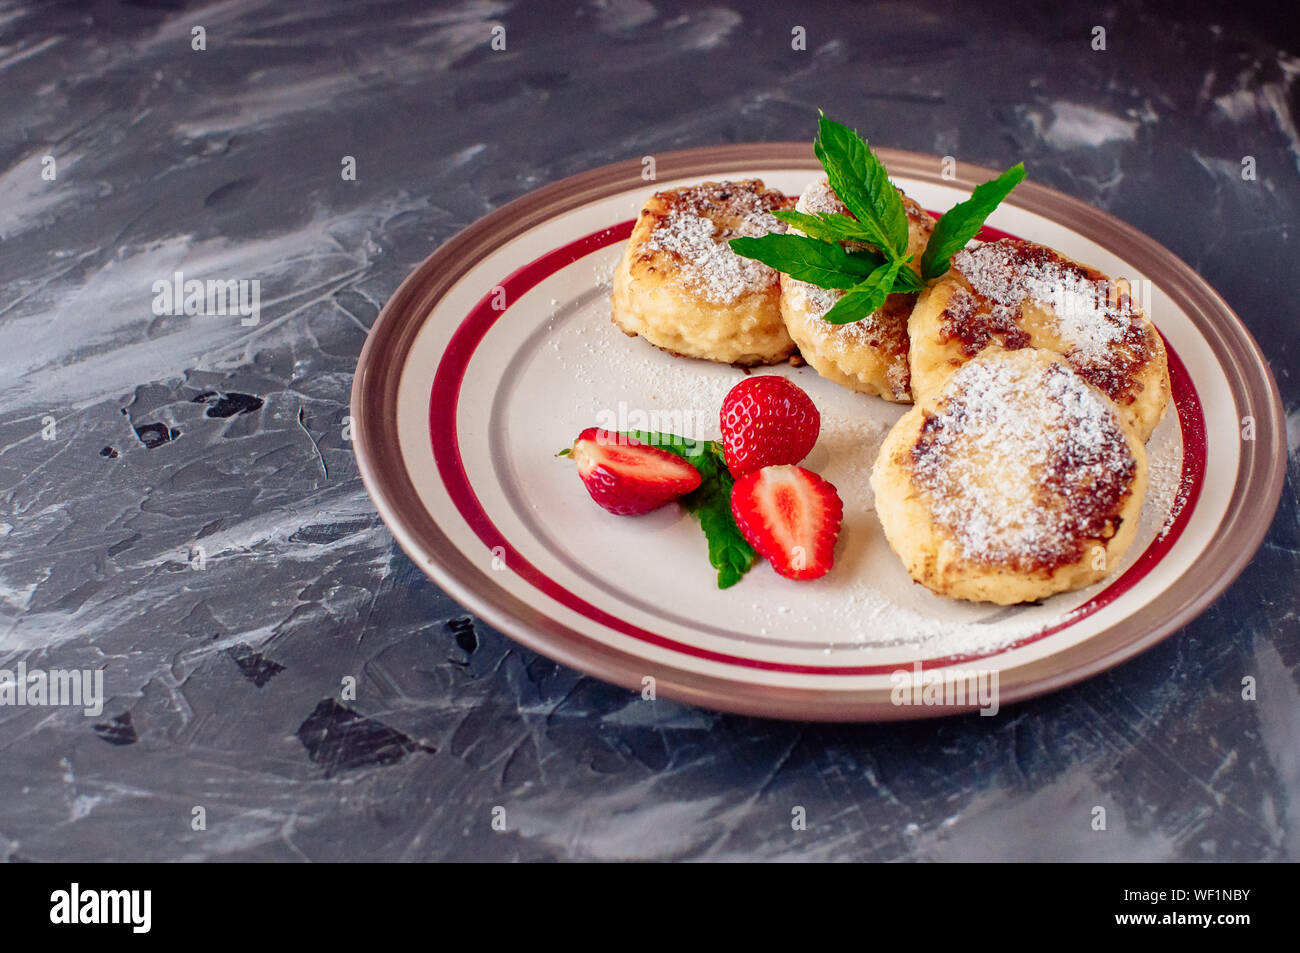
499,350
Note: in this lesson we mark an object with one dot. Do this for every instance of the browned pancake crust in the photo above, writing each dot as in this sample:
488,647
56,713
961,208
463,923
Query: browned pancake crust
1081,488
831,349
726,204
1001,276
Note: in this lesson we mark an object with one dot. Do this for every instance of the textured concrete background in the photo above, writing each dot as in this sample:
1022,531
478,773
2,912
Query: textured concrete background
171,433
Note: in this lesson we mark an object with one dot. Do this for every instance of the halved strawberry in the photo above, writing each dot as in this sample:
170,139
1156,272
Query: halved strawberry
628,477
791,516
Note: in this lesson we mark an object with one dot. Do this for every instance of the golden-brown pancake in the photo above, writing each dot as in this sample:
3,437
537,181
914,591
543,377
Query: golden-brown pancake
1013,294
681,287
1014,480
870,355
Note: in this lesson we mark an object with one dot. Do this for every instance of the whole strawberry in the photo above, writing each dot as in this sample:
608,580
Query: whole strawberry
767,421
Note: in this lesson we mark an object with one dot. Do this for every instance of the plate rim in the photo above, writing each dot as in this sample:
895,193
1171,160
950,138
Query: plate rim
382,468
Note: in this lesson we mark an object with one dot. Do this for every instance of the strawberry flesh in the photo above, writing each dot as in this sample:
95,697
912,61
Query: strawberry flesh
628,477
791,516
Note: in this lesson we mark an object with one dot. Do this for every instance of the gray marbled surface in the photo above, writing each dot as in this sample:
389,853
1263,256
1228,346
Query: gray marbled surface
171,433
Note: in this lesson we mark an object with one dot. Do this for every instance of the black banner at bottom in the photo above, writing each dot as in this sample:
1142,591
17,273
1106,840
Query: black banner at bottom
329,902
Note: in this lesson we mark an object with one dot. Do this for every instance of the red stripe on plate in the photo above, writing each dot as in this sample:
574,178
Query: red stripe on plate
445,399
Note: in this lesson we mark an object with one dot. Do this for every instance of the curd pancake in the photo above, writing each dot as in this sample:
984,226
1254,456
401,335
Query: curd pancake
870,355
682,288
1013,294
1014,481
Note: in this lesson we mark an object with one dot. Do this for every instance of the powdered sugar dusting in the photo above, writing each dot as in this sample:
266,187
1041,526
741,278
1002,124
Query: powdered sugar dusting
1095,318
1166,491
1022,466
698,224
820,199
820,300
817,199
867,604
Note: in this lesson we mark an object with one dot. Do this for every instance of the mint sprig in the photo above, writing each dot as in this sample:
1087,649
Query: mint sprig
964,220
710,503
823,263
877,223
862,184
826,226
866,297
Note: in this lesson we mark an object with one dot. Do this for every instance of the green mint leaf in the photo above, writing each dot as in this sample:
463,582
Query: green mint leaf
865,298
907,280
862,184
963,221
827,226
825,264
710,503
729,552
